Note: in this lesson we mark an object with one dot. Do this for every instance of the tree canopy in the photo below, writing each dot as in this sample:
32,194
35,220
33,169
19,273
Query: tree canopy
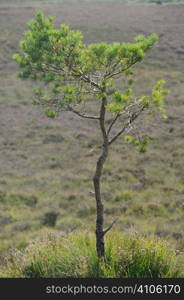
71,71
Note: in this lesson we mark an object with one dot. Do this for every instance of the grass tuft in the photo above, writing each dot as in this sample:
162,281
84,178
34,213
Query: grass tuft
74,255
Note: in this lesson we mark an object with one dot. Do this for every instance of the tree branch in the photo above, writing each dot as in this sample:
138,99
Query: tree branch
85,78
113,68
83,115
73,72
133,117
110,226
110,75
53,104
112,123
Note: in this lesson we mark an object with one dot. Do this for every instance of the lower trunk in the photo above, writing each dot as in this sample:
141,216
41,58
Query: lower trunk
99,219
100,247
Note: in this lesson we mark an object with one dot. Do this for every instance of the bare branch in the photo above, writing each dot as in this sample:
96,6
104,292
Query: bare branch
110,75
112,123
85,78
132,118
115,65
83,115
53,104
110,226
72,72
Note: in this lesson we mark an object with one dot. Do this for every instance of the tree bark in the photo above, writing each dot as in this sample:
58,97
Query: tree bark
100,247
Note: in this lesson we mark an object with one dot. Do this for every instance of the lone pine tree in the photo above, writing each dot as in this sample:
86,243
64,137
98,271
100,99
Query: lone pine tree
71,74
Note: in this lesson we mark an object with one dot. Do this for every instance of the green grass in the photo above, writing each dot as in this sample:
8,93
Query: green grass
74,255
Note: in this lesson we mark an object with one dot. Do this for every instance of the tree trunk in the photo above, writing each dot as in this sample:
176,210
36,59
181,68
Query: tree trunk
100,247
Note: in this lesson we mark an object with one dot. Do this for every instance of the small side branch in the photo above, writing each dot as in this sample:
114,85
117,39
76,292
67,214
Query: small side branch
110,226
110,75
133,117
119,133
112,123
83,115
85,78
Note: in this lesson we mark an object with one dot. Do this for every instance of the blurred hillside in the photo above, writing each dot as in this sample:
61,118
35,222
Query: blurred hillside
43,2
46,166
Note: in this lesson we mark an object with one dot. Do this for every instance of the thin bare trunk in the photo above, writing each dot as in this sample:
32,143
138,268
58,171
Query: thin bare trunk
99,203
96,180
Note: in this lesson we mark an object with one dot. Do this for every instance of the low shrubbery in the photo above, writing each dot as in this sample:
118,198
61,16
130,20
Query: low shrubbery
50,218
74,255
18,199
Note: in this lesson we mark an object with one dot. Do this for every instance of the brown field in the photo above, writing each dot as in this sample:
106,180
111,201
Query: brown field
53,161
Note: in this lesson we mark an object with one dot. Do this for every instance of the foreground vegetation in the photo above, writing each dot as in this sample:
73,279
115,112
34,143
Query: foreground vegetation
74,255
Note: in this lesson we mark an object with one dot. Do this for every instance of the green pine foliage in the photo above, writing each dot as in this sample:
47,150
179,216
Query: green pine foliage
65,67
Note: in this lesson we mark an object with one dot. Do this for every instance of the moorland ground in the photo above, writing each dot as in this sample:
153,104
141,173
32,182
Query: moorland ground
46,166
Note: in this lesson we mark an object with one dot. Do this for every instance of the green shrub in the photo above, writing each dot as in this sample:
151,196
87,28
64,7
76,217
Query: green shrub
53,138
125,195
2,197
18,199
74,255
50,218
29,200
147,209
